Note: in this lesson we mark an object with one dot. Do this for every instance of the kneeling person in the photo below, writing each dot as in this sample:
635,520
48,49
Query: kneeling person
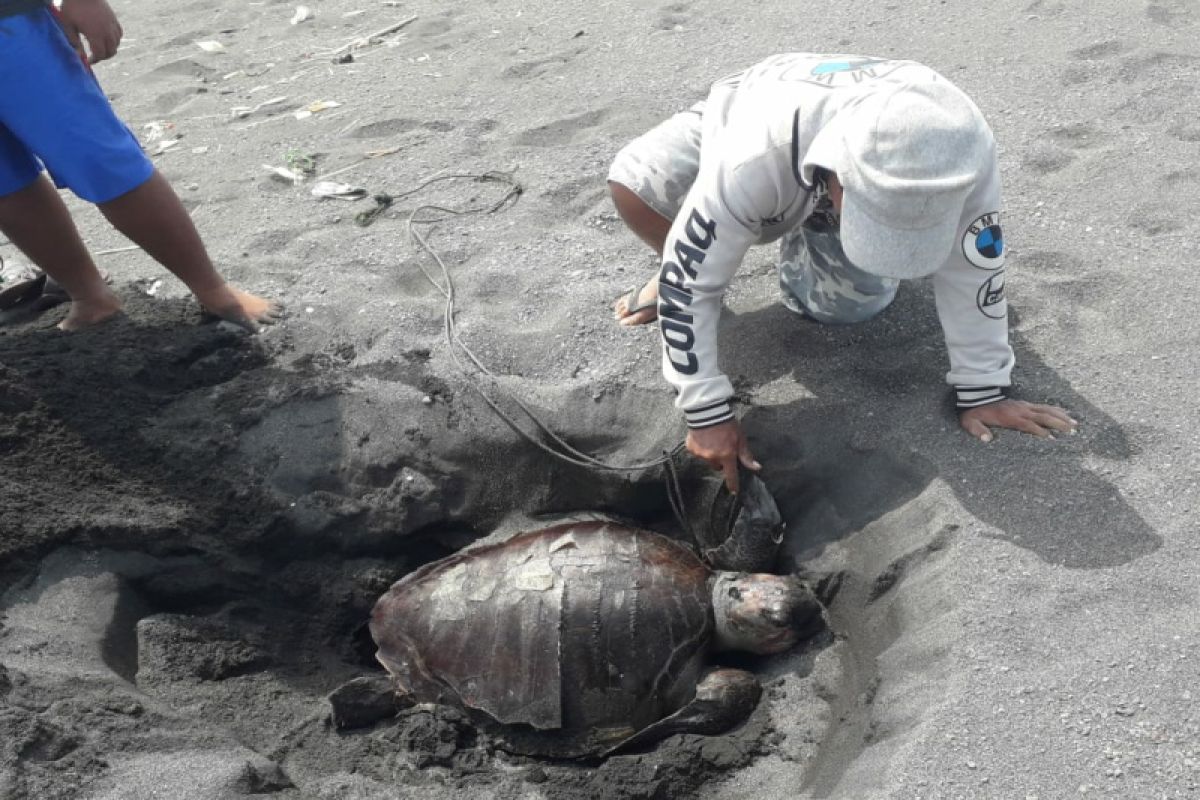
868,171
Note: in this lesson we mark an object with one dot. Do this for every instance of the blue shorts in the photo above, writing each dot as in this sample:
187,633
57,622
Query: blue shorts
53,113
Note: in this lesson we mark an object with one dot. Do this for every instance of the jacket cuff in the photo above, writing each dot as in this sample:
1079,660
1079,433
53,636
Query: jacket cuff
974,396
709,415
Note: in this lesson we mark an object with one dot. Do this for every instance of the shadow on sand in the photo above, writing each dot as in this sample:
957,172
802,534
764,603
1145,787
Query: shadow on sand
880,426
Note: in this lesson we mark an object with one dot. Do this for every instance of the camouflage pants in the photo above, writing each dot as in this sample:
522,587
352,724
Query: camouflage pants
815,277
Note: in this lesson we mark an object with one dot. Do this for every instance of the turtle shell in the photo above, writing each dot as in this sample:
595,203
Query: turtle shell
590,630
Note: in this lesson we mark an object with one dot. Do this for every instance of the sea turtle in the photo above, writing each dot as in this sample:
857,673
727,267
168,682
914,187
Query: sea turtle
589,637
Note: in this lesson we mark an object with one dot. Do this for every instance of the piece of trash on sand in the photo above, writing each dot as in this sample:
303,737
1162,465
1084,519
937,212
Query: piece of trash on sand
149,287
210,46
201,150
303,14
316,108
344,58
240,112
284,174
382,203
373,38
164,145
157,130
387,151
338,191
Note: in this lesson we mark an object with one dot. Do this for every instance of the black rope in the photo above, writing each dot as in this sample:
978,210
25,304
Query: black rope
464,358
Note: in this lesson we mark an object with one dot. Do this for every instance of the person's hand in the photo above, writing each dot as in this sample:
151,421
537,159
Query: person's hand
1038,420
95,21
722,447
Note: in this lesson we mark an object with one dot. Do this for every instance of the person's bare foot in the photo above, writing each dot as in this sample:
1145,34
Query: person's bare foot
240,308
643,309
91,311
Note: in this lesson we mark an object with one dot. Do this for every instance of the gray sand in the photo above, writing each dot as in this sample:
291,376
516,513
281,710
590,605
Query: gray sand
194,524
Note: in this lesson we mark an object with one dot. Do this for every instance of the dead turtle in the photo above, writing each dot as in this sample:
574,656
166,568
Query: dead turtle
586,638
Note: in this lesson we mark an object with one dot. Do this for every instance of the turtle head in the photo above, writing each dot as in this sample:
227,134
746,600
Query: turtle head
763,613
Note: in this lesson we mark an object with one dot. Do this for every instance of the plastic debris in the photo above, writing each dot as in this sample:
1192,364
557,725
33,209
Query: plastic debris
284,174
303,13
12,272
387,151
149,287
338,191
164,145
157,130
316,108
210,46
374,38
239,112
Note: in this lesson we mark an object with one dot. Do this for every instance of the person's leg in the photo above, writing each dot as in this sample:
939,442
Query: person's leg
37,222
55,108
153,217
649,180
640,307
649,225
816,279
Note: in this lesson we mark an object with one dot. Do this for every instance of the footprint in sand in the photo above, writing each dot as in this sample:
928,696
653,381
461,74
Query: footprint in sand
172,101
1099,50
1169,12
672,17
183,68
395,127
1045,8
575,198
434,27
539,67
1044,159
562,131
1076,135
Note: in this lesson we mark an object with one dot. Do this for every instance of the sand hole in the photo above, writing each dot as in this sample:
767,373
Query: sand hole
236,654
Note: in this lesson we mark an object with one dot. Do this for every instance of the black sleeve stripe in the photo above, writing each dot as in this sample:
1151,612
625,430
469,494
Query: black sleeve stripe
710,407
711,423
975,396
711,415
796,170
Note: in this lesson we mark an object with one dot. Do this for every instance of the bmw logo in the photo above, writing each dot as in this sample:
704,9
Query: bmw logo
983,242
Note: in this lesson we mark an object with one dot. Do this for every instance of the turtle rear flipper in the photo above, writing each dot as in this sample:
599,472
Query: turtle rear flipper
724,698
745,530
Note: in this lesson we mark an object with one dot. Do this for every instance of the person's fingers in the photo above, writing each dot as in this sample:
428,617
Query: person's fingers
729,467
1061,417
747,458
1054,422
1027,425
104,47
74,39
977,429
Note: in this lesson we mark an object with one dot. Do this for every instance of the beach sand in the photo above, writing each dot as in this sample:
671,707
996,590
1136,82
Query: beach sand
195,523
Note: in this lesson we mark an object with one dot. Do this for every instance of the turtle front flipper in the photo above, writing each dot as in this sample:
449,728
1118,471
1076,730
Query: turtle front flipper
750,530
724,698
